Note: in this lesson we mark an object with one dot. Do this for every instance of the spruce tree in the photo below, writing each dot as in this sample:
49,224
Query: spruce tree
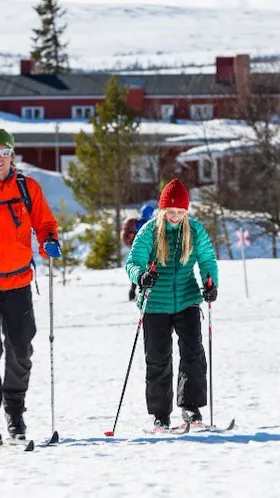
49,51
103,248
102,176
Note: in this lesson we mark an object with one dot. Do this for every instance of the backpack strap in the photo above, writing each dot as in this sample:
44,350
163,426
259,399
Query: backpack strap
21,183
24,197
10,203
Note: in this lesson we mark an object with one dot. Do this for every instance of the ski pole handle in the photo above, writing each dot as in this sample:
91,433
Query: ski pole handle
153,266
209,281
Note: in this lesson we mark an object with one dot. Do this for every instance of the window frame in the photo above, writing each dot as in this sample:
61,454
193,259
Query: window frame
144,169
33,108
83,108
204,116
205,179
171,113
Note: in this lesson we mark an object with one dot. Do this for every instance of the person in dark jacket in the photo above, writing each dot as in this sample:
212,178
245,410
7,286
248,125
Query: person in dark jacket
130,228
16,308
175,243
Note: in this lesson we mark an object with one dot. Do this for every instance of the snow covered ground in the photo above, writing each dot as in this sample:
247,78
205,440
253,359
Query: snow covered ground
106,34
95,327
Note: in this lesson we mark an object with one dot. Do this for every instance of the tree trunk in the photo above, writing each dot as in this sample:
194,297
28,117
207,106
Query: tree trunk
118,219
228,244
118,231
274,245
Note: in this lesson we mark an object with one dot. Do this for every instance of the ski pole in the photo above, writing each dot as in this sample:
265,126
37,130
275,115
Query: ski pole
142,312
54,437
209,283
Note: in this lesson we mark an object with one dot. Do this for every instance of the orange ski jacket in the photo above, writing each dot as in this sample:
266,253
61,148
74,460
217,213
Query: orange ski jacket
16,225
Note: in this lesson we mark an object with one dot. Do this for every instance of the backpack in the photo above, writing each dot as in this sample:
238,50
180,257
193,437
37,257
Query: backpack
22,186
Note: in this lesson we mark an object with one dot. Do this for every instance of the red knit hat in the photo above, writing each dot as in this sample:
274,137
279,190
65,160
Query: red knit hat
175,195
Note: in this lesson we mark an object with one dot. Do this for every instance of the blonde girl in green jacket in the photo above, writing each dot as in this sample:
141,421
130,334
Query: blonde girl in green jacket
176,243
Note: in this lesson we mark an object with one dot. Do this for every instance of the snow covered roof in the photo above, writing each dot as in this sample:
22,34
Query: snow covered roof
219,149
214,151
220,134
173,133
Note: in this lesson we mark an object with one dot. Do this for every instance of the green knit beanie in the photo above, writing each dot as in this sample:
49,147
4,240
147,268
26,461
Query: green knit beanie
6,139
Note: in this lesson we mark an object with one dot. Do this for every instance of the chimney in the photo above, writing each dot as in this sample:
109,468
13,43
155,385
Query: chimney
135,99
224,69
27,66
242,74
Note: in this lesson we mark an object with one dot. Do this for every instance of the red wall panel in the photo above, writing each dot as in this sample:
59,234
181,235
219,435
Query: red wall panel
147,108
54,109
135,99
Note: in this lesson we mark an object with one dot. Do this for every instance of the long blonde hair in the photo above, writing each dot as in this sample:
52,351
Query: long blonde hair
162,241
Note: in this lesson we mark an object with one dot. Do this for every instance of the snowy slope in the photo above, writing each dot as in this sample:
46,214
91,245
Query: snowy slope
170,33
53,187
94,328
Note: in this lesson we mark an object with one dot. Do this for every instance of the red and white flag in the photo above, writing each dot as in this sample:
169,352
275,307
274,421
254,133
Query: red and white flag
242,236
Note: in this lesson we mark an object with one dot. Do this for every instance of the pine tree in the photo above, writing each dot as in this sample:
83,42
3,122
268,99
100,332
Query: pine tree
103,175
103,247
49,52
68,260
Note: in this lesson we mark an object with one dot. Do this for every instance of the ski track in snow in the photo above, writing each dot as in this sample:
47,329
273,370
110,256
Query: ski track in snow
95,327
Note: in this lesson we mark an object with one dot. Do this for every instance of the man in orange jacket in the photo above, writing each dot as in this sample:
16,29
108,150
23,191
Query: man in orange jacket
16,307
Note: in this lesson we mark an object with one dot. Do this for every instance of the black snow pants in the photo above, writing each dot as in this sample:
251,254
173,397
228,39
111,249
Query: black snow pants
192,377
18,329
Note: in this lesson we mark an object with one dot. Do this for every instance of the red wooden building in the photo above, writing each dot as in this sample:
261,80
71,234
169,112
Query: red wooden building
163,97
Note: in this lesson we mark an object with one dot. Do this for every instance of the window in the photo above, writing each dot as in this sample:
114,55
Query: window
167,112
144,169
207,170
82,112
201,112
32,112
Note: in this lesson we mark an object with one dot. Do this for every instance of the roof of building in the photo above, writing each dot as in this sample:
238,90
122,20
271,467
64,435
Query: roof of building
93,84
218,150
172,134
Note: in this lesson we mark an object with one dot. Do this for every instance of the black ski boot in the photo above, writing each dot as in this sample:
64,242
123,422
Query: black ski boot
162,421
15,425
191,415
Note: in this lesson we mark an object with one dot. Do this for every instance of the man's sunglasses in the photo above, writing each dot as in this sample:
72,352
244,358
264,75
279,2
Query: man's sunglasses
6,152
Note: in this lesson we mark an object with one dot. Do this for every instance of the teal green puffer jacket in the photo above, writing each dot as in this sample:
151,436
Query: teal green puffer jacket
176,287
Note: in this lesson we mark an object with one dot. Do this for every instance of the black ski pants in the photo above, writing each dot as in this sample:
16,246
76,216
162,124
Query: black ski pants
18,329
192,377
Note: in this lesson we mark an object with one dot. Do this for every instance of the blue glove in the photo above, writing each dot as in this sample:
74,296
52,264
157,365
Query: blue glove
52,248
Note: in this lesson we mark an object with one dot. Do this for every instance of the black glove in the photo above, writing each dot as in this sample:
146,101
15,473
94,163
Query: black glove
148,279
210,293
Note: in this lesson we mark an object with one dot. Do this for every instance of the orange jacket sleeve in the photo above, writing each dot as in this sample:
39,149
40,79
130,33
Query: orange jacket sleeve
42,219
